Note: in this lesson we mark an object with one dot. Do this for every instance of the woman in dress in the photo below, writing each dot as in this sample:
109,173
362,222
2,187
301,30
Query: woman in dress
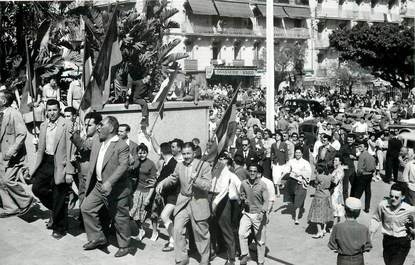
279,157
321,211
268,142
337,194
142,196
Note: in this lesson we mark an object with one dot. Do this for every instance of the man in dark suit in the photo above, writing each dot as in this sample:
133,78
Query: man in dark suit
107,185
326,154
392,157
349,156
53,170
133,161
169,194
236,141
249,155
14,199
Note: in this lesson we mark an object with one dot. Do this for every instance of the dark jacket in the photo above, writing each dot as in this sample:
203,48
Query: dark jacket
252,156
279,154
394,147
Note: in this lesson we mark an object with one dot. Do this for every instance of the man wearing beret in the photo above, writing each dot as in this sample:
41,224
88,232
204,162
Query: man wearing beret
350,239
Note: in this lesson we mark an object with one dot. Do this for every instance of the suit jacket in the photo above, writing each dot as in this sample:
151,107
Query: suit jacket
114,168
252,156
328,160
166,171
394,147
279,154
84,147
12,136
193,193
132,169
62,148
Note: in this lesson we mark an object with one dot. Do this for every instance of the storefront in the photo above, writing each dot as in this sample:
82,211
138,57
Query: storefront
248,75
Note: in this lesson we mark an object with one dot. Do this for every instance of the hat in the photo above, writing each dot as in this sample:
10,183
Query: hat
353,203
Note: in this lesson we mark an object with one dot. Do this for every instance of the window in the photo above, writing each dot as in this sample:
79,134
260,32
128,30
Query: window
215,51
298,23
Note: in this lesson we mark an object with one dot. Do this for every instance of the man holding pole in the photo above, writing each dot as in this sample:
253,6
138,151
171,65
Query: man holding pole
192,204
14,198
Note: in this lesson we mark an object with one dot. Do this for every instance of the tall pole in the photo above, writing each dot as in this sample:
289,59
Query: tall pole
270,66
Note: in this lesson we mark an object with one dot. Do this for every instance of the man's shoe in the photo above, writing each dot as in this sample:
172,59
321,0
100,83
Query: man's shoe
168,248
183,262
122,252
94,244
58,235
244,260
230,262
366,210
4,215
27,208
212,256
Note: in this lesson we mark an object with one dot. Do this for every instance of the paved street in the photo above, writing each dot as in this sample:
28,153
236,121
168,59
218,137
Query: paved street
25,241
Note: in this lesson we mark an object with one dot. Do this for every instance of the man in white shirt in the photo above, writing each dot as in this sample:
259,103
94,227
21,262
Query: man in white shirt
361,127
108,185
225,188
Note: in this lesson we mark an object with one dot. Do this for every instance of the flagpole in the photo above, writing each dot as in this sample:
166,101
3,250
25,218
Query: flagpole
29,80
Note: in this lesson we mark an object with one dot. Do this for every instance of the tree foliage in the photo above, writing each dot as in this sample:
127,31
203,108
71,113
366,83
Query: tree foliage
347,75
386,49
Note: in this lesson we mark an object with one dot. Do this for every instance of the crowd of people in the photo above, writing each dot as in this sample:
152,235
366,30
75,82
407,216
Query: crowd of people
222,204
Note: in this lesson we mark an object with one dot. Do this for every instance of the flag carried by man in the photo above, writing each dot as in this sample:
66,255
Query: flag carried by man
164,90
225,130
98,88
40,48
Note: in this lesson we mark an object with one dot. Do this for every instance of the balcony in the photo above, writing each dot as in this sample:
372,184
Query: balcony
408,12
333,13
217,62
322,44
321,72
293,33
258,63
190,64
238,62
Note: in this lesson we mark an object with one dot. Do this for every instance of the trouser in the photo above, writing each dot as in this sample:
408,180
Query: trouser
266,164
391,168
144,109
81,188
117,209
13,196
395,249
350,260
200,232
247,222
236,215
349,177
362,184
52,196
223,223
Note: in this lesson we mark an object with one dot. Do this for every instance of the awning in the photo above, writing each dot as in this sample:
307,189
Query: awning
297,12
233,9
278,11
203,7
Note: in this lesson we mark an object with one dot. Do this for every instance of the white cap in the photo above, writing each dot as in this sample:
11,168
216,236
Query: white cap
353,203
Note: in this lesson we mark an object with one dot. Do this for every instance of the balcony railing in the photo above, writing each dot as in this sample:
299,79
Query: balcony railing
258,63
293,33
238,62
355,14
190,64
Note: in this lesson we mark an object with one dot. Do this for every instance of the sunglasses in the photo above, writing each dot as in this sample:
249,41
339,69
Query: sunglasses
244,144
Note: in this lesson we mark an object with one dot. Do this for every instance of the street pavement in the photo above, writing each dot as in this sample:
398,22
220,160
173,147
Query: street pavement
25,241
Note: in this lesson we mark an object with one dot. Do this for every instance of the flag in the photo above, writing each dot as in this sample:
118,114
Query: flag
98,89
40,48
28,93
87,60
227,125
162,94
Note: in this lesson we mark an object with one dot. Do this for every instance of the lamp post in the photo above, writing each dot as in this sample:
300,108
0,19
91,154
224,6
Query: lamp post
270,86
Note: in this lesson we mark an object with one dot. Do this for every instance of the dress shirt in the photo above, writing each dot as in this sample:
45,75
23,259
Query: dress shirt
350,238
366,164
393,221
301,167
127,141
101,155
408,175
271,190
317,145
226,183
50,137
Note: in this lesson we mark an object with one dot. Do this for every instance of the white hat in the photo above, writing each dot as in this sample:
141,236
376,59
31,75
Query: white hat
353,203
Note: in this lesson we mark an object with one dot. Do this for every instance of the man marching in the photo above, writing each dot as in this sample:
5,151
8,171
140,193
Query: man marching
14,198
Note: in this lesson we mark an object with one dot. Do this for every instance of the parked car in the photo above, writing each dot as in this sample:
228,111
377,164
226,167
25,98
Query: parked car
304,105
